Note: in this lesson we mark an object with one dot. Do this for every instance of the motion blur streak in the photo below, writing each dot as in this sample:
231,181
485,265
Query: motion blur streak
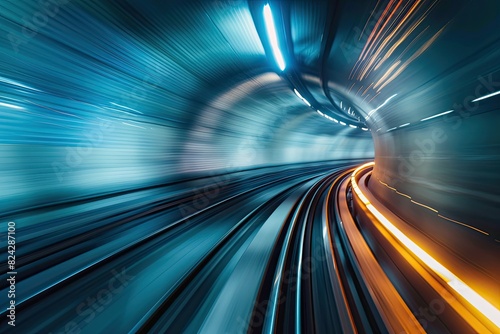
273,38
186,166
492,313
380,287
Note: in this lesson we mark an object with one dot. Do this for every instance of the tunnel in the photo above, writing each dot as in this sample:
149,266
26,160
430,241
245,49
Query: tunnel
231,166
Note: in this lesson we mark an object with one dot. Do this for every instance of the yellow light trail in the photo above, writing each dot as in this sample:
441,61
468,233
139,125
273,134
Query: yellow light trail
368,21
417,54
394,18
384,20
432,209
475,299
463,224
409,31
424,206
372,40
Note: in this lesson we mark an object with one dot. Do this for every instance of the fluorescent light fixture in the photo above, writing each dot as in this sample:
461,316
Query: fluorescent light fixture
392,129
364,129
300,97
340,104
342,123
273,38
486,96
441,114
10,106
298,94
380,106
333,119
353,126
406,124
319,112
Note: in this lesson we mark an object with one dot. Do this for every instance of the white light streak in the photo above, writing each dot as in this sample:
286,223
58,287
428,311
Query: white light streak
273,38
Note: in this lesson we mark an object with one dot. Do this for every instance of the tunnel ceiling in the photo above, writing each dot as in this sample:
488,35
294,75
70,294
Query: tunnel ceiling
358,53
191,82
168,137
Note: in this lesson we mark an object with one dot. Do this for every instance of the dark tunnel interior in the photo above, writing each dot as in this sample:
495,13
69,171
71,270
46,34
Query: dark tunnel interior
238,166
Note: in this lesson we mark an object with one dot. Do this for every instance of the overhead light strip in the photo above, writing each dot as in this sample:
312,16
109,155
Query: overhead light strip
383,104
486,96
300,97
438,115
273,38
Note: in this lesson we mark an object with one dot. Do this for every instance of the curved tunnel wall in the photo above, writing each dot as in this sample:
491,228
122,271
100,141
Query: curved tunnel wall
108,96
96,101
450,162
424,163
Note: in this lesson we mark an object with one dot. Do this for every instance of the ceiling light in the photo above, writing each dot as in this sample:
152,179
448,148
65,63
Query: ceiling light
486,96
273,38
383,104
441,114
300,97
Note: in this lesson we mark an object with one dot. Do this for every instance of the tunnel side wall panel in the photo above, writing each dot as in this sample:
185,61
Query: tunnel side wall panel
450,164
